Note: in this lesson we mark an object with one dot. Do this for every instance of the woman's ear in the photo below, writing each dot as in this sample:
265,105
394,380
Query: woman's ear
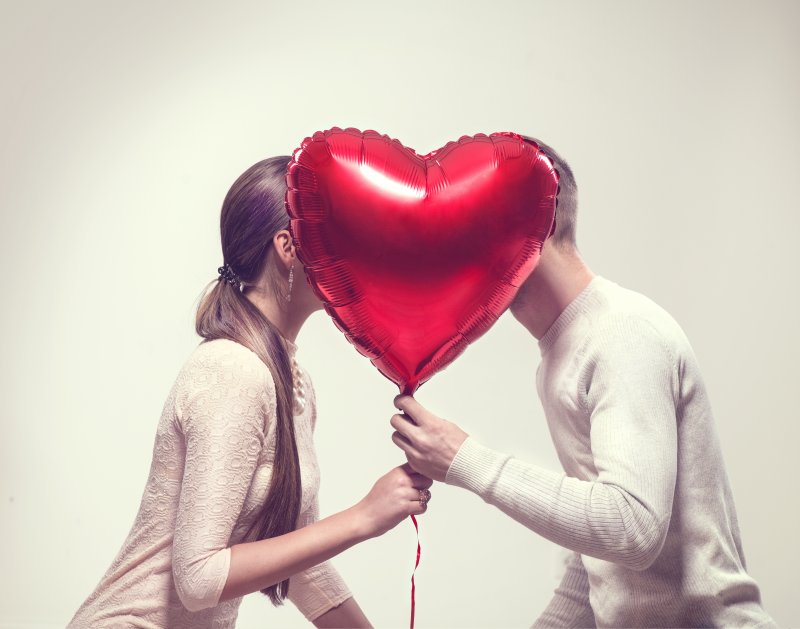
284,247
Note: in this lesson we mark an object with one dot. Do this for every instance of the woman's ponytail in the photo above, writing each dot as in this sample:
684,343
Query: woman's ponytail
252,213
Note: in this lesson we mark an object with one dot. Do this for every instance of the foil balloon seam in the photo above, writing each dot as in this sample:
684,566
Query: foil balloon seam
477,325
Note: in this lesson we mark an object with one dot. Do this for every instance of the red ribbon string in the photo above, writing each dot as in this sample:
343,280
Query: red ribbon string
413,588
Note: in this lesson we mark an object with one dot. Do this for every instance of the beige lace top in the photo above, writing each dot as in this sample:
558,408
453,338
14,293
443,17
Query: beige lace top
212,463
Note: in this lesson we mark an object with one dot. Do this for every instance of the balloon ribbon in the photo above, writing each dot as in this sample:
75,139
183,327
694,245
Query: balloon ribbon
413,588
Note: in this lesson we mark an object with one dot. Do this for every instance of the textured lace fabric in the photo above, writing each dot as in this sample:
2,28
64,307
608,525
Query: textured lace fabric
211,469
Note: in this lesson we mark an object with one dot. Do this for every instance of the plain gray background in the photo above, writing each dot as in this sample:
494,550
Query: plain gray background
122,125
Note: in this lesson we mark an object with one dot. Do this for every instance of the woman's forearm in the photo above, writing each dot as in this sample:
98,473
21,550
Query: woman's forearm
258,565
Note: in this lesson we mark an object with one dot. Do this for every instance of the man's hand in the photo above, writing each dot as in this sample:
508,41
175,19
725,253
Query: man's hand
429,442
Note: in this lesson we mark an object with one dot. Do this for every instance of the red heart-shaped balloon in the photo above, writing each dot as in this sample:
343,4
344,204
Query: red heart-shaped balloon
415,256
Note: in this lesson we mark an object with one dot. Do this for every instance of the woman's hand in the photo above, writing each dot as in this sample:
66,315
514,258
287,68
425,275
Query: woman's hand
395,496
258,565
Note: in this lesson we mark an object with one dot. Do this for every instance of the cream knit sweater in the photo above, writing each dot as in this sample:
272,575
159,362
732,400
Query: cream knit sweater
645,503
212,464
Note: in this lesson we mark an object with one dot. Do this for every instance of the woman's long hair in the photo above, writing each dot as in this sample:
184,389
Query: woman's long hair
252,213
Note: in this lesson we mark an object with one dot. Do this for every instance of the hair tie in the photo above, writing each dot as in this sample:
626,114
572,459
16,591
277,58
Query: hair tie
226,274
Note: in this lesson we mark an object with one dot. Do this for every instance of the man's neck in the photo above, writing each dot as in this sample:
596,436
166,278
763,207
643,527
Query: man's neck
557,280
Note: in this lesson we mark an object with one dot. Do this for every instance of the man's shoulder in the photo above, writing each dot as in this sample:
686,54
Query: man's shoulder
621,303
632,317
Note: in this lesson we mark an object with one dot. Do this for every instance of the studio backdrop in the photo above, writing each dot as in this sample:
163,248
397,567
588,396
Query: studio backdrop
122,126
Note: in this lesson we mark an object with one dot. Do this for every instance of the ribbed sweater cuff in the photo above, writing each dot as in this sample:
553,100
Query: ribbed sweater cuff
475,467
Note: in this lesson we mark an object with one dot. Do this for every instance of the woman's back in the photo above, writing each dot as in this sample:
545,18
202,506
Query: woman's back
211,469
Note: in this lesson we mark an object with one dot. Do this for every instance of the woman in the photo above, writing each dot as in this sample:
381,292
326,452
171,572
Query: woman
230,506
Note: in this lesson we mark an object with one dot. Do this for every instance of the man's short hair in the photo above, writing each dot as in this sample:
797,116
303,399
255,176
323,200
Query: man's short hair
567,204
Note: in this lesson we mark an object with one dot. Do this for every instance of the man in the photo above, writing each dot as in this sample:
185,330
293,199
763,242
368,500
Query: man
645,503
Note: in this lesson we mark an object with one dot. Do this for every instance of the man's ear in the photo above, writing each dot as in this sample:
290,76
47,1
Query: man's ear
284,247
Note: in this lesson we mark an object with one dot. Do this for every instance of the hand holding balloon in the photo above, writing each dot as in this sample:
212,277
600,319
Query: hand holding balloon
394,497
430,443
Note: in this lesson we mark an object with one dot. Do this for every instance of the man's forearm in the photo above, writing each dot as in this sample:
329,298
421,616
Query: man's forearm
589,517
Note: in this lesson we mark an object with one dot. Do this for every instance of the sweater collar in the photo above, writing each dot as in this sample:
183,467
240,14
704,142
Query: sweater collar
582,303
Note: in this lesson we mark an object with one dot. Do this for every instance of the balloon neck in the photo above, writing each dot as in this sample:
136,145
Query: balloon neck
409,388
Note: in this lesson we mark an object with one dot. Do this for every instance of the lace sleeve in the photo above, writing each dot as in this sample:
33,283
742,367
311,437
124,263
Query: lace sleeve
319,588
228,396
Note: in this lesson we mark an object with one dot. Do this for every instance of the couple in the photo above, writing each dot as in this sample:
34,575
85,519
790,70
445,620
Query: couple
230,505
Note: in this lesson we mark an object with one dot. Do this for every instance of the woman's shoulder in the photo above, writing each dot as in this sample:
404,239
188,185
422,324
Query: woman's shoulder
222,383
223,349
225,362
225,353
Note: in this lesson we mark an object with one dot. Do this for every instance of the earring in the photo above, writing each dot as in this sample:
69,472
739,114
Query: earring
291,283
